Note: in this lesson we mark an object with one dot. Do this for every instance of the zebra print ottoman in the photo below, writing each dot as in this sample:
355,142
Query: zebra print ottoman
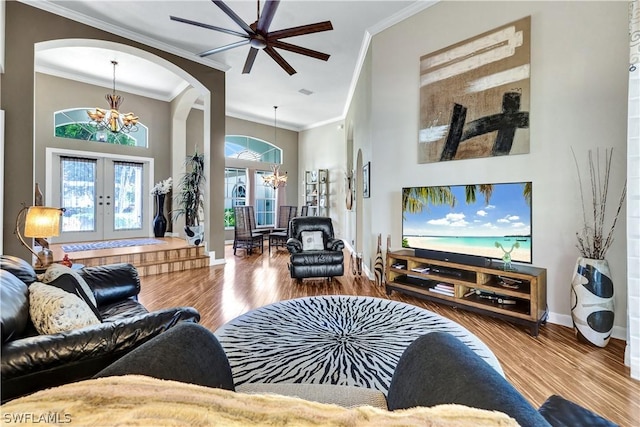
340,340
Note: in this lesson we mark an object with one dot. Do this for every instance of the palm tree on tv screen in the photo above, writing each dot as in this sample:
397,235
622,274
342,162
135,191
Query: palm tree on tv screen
416,198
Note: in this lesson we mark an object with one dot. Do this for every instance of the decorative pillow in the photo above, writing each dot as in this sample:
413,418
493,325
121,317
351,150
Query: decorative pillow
56,270
68,283
53,310
312,241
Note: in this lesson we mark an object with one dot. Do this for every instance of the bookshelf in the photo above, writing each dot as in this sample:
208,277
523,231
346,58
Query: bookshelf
316,192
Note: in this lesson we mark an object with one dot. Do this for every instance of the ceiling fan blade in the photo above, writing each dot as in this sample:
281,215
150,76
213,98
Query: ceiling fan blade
280,60
210,27
251,57
301,30
299,50
231,14
267,15
225,47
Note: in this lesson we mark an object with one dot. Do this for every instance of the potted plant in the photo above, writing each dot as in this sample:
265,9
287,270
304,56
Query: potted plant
592,307
190,198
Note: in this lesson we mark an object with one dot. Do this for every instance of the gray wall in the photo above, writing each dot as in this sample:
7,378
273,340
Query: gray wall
287,140
55,93
17,95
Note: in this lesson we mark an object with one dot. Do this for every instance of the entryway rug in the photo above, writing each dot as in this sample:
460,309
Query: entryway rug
109,244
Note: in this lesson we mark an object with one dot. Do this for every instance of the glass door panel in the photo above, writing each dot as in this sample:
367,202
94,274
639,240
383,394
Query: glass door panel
78,197
128,200
103,198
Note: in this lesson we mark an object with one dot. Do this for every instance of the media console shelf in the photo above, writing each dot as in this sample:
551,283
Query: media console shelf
519,296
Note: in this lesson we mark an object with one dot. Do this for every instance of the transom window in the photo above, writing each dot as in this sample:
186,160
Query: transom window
248,148
74,123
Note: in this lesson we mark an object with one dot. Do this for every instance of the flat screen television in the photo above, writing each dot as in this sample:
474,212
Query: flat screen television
468,223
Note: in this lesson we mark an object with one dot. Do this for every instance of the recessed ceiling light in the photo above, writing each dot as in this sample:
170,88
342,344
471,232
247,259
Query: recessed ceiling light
305,91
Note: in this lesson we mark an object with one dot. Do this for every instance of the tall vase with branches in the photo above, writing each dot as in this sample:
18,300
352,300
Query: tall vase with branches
592,304
190,197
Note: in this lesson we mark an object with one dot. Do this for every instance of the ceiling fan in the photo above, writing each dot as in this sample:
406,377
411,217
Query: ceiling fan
257,35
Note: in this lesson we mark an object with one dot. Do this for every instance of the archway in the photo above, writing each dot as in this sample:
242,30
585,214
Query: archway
180,105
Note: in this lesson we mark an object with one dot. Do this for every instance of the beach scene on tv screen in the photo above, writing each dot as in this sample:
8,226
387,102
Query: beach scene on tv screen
477,220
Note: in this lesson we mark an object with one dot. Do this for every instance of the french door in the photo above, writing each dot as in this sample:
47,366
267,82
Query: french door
104,198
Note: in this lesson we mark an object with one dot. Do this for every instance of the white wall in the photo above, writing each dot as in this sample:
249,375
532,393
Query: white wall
359,127
324,148
579,81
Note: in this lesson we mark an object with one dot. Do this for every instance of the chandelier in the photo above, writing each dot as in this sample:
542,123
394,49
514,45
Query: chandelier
113,120
276,180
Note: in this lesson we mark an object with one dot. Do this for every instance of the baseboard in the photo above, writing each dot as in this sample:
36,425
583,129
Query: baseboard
212,259
348,246
618,332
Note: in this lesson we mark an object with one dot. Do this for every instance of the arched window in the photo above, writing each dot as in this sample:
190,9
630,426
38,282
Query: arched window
248,148
238,150
74,123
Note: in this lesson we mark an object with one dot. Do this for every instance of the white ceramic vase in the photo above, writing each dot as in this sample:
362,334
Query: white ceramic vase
194,235
592,307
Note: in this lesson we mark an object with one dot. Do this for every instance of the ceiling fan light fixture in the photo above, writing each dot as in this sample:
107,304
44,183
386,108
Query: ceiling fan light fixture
258,36
258,43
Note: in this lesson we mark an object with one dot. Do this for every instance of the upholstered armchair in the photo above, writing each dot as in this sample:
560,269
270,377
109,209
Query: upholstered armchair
314,252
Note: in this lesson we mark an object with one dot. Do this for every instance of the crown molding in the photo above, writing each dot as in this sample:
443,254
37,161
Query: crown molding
405,13
401,15
59,10
122,87
260,120
335,120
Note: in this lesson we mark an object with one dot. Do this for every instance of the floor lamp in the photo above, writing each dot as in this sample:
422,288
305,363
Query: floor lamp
39,222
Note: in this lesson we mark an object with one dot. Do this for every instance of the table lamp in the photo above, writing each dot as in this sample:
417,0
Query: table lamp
40,222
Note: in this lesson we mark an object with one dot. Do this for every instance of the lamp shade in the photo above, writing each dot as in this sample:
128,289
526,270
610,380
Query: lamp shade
42,222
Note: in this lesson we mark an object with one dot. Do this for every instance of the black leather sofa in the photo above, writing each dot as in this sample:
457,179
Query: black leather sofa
32,362
326,261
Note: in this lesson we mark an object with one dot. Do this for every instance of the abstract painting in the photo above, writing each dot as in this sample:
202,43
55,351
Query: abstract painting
474,96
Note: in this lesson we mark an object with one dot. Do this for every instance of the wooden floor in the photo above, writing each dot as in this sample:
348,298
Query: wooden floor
552,363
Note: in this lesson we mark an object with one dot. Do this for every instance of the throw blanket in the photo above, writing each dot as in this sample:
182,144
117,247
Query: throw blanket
142,401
